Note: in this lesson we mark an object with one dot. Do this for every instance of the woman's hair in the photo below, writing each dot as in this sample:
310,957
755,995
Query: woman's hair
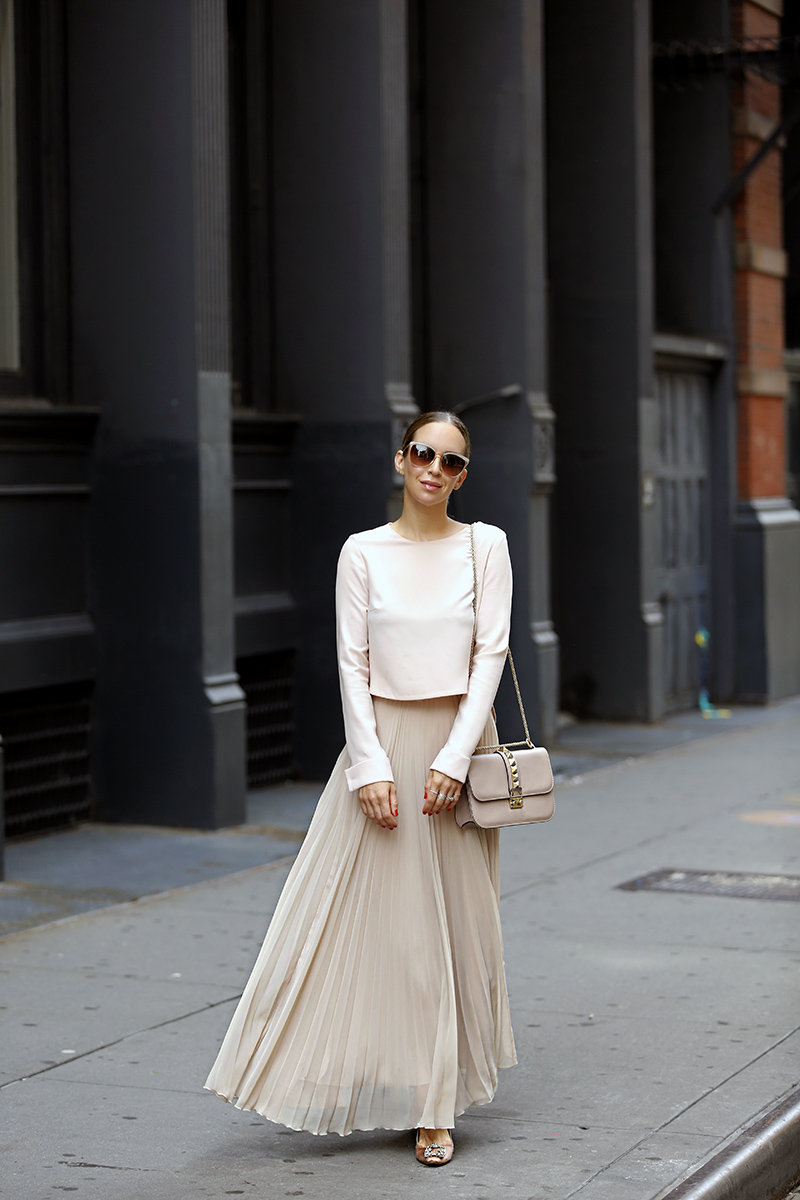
435,418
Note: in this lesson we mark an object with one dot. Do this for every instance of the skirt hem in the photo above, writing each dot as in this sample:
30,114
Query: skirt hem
355,1128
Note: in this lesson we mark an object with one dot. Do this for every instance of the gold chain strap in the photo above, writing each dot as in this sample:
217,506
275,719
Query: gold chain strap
509,655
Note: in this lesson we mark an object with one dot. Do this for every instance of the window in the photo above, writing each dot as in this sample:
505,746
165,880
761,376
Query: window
9,251
34,222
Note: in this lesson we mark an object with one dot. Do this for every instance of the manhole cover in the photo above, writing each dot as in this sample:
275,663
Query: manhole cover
717,883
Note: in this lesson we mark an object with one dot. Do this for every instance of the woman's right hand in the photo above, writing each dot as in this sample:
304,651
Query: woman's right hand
379,802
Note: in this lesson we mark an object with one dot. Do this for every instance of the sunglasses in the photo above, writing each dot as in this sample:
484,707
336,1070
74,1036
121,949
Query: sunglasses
422,455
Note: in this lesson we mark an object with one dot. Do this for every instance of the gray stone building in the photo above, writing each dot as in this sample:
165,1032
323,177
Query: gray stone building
240,246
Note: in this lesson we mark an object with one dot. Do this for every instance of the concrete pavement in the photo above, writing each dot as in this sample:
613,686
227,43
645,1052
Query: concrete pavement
651,1026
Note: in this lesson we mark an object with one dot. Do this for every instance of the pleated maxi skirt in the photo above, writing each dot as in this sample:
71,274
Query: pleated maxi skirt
378,999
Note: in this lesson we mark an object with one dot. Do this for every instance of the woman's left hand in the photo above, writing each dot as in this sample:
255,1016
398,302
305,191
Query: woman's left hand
441,793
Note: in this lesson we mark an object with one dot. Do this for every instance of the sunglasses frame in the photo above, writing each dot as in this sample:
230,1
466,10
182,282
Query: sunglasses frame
441,455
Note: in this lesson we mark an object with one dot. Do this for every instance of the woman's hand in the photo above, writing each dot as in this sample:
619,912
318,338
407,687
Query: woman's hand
379,802
441,793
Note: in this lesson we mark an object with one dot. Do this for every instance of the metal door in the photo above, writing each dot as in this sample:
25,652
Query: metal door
683,524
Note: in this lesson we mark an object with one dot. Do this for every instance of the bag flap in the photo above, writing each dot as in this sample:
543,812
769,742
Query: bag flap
489,777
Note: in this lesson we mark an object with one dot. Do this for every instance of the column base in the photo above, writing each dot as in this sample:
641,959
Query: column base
228,717
545,641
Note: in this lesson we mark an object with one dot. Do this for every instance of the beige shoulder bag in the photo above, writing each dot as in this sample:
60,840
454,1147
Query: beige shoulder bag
505,785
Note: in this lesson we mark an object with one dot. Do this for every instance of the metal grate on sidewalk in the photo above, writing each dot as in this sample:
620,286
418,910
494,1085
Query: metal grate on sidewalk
743,884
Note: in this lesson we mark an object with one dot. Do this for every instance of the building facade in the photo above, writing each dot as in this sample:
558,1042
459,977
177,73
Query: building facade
243,243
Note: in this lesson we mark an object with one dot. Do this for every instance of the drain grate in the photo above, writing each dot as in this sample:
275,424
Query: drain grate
744,884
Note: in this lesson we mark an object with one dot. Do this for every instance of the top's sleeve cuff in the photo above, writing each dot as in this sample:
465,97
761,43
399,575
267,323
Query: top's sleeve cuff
371,770
451,763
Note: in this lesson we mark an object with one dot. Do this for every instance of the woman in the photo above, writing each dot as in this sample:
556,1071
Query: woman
379,997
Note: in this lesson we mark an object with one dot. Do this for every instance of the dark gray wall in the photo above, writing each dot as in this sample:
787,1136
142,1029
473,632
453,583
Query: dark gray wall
599,206
150,349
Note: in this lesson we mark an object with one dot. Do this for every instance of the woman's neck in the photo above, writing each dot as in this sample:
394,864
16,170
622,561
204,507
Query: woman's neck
419,524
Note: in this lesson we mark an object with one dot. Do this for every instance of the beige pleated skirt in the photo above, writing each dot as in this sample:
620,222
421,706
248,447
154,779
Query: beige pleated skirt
378,999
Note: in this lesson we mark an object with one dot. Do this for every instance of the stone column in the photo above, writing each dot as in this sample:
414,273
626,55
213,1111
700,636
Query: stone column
486,325
342,316
600,271
148,113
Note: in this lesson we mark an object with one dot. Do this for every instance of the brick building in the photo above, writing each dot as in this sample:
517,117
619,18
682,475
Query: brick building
240,244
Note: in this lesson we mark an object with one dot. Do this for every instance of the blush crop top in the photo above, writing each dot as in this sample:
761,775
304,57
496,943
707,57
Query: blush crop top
404,622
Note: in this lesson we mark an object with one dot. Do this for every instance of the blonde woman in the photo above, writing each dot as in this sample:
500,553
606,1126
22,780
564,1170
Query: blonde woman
379,997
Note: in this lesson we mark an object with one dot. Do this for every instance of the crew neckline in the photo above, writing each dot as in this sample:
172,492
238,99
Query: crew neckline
426,541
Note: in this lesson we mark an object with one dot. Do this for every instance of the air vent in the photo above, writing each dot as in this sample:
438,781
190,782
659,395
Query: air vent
46,758
268,683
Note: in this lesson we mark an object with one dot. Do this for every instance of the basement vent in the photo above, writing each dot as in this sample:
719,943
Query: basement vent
268,683
743,884
46,776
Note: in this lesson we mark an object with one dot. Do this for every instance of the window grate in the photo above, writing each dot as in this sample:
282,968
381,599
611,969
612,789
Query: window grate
268,683
47,780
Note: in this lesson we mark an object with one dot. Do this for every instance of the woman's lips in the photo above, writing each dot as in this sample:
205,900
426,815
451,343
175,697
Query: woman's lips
434,487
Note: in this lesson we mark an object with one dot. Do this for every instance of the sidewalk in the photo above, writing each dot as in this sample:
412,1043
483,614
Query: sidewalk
650,1025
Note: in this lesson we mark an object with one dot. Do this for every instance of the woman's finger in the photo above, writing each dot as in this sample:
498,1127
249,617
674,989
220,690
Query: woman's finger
389,806
432,790
442,793
379,804
377,810
454,799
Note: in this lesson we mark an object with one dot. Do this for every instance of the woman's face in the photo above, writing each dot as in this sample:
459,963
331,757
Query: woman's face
428,484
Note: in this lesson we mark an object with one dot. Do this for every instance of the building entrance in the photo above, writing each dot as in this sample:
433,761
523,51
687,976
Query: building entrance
682,504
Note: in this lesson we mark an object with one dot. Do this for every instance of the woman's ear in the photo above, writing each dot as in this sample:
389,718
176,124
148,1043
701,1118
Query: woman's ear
399,462
460,480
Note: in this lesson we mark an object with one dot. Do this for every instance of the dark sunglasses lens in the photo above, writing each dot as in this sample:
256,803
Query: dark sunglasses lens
452,464
420,454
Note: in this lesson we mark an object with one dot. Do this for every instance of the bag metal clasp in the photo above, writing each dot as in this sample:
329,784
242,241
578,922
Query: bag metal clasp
515,799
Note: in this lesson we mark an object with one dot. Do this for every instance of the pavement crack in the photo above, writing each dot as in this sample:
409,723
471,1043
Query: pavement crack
118,1041
62,1162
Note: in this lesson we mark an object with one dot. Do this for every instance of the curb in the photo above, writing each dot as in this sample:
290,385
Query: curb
761,1163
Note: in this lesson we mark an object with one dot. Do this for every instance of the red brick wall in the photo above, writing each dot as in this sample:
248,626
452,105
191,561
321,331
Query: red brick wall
759,276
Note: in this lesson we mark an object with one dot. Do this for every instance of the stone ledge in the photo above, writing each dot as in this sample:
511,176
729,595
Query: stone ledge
747,122
767,260
761,381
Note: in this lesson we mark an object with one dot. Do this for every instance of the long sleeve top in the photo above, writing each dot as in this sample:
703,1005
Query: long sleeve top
404,619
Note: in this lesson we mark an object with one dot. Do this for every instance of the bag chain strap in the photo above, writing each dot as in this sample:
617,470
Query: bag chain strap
509,655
